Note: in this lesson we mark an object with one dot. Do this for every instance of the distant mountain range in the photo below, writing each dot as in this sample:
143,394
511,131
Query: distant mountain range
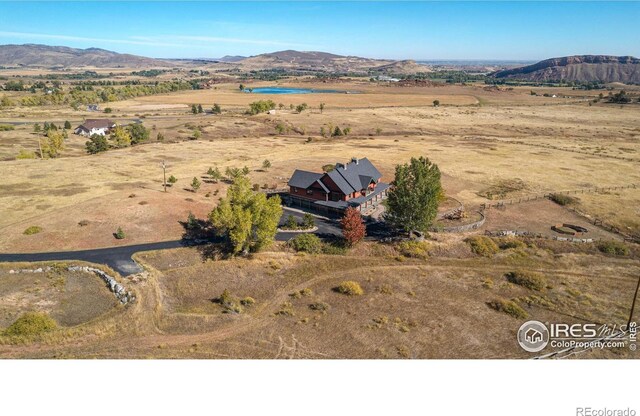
581,68
62,56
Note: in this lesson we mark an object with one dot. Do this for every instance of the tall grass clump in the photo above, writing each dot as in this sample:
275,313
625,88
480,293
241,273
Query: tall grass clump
31,324
482,245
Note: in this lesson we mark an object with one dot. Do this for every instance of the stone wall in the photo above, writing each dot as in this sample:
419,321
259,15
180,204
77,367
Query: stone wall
119,291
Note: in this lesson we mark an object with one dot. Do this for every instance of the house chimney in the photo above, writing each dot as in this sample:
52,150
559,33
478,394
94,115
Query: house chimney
354,160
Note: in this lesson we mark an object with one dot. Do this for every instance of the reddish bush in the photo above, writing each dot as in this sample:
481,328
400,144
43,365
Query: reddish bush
353,228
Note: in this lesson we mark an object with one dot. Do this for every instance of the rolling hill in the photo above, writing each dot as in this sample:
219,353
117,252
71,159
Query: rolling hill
580,68
327,62
62,56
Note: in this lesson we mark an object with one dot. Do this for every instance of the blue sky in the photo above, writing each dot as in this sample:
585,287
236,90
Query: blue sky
399,30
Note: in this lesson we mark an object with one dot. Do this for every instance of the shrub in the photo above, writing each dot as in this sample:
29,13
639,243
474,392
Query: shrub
309,243
25,154
292,223
230,304
508,243
335,247
286,309
6,127
530,280
615,248
308,221
562,199
34,229
482,245
247,301
415,249
350,288
509,307
119,234
172,179
31,323
319,306
108,110
301,293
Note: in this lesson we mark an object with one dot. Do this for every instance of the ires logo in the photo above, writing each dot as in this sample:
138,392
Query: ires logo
533,336
566,331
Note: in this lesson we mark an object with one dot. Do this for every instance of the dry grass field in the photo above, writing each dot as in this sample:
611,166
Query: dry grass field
483,145
410,308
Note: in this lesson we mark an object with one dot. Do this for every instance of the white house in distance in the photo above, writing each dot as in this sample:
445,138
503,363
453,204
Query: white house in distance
96,126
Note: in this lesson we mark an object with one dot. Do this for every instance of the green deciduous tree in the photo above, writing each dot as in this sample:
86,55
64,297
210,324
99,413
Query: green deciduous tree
53,144
412,203
216,109
121,137
97,143
248,219
266,164
261,106
139,133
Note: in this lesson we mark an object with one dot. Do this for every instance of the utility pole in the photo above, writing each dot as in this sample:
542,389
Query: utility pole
633,304
164,173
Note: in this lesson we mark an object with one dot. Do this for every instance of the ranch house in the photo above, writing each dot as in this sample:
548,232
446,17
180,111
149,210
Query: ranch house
355,184
97,126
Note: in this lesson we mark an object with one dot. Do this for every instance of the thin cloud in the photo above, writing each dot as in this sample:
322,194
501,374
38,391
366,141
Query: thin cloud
27,35
163,40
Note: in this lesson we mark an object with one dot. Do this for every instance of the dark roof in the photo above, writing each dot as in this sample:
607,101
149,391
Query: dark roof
99,123
355,175
303,179
354,202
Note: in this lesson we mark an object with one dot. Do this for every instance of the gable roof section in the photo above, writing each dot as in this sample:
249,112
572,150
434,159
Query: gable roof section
355,176
100,123
322,185
303,179
340,181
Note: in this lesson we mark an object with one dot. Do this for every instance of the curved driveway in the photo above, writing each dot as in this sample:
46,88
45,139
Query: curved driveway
119,258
